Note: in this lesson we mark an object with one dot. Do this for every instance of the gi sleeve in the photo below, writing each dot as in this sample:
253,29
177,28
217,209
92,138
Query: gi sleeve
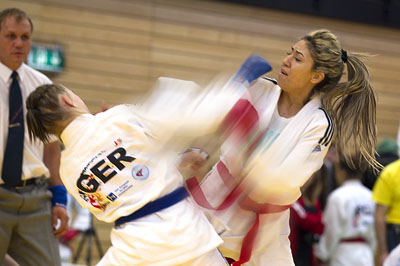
180,108
278,181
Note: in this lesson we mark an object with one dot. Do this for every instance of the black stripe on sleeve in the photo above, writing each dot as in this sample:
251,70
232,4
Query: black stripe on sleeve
329,130
271,79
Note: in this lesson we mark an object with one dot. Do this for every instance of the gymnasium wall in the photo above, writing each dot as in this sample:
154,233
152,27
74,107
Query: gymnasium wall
115,49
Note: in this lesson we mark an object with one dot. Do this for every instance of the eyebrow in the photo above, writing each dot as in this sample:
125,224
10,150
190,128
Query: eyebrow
298,52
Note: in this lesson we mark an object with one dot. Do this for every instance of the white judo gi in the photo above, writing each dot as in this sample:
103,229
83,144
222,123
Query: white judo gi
114,164
349,234
394,257
276,170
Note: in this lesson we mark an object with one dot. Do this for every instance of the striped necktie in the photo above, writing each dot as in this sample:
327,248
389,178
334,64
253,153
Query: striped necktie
13,154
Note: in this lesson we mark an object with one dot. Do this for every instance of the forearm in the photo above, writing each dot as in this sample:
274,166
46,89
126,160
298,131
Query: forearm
380,229
51,158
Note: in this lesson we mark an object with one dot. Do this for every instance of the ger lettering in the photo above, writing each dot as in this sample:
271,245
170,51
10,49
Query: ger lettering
89,185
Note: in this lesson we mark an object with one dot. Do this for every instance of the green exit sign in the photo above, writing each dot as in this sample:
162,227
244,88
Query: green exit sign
46,57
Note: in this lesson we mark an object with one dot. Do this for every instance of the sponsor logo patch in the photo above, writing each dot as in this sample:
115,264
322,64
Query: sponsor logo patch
111,197
140,172
317,148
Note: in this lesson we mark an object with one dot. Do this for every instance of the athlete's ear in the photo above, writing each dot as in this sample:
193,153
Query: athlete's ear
317,77
67,100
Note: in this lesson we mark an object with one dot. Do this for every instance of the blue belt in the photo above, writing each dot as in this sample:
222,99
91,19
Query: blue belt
154,206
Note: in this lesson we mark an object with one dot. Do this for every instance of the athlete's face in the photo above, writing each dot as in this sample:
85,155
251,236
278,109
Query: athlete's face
15,42
297,74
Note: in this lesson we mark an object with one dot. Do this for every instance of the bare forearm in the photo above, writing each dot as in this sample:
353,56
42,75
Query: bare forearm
51,158
380,229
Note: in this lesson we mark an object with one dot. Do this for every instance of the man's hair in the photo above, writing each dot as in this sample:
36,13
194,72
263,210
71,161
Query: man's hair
16,13
44,112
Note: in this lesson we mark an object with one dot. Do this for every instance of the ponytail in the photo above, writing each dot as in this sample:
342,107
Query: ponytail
352,104
353,107
36,129
44,113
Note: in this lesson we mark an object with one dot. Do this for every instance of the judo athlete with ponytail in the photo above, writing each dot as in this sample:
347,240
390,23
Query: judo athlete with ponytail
288,126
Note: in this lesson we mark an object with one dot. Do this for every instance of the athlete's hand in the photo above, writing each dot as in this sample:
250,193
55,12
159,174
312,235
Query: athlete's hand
193,157
60,220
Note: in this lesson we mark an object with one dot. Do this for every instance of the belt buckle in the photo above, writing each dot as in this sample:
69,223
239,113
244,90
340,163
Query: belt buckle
22,185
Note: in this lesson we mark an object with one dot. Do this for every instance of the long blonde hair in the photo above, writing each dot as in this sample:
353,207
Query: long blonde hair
352,104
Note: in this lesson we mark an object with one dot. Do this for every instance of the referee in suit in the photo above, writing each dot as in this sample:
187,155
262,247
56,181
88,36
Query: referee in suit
32,199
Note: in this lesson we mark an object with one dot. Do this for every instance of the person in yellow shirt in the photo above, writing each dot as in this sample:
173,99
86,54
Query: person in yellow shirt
386,194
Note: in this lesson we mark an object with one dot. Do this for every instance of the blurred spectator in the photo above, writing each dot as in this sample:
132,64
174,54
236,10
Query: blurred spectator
306,220
398,143
329,181
394,257
387,153
348,237
386,194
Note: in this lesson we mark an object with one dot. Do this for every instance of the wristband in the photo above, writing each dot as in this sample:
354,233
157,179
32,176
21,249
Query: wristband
59,196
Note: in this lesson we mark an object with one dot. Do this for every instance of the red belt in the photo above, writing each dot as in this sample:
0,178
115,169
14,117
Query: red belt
246,204
354,240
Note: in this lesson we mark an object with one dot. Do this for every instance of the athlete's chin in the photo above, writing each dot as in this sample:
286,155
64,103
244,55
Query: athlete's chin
282,80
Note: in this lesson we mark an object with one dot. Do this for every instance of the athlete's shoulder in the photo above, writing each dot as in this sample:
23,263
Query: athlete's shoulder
272,80
336,195
320,123
325,116
392,168
121,110
263,86
327,121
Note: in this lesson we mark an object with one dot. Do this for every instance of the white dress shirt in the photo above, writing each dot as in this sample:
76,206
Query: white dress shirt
29,79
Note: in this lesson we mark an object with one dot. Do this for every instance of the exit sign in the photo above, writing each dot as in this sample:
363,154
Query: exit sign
46,57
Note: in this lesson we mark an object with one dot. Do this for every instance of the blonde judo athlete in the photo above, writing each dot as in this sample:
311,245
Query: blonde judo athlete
288,126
